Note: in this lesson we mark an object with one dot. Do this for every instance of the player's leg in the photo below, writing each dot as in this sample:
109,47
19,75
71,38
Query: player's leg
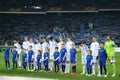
58,68
93,66
8,62
114,69
5,64
55,68
101,69
83,65
105,70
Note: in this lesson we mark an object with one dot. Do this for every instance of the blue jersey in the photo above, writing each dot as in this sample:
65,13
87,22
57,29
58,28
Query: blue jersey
30,54
39,57
46,55
24,57
102,56
6,53
56,55
14,56
62,54
89,59
73,55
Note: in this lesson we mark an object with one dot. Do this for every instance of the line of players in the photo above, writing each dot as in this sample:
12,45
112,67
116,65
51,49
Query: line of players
61,54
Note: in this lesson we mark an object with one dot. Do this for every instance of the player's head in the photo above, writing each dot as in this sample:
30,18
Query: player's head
73,45
51,38
37,41
47,49
94,38
109,37
30,47
102,44
14,48
63,45
40,51
25,38
44,39
15,41
30,40
56,48
6,44
60,38
89,51
81,43
68,38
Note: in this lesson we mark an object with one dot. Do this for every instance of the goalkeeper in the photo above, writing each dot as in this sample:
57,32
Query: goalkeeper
109,46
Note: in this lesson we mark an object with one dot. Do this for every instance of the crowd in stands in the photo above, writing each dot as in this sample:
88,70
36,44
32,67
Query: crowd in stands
81,26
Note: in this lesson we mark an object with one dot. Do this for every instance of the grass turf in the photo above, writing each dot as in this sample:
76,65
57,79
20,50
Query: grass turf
59,76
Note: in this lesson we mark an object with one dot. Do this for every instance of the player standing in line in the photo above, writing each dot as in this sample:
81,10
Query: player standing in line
89,62
24,59
52,45
95,48
73,58
102,59
39,60
25,44
7,56
19,51
30,59
14,57
59,48
31,44
56,59
109,47
63,52
46,58
37,48
84,48
68,47
44,45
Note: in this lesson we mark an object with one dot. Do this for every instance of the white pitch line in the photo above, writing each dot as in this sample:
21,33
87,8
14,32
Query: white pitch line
21,78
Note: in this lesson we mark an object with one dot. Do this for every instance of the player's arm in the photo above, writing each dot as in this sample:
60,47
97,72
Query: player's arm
64,55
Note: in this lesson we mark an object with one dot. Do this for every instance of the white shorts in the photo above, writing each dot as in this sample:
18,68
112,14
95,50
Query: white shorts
68,58
94,59
83,60
51,57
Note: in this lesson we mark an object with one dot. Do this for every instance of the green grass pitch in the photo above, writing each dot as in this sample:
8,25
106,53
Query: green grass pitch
59,76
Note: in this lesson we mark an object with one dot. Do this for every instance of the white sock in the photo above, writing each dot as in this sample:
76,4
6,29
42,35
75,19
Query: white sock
83,69
50,65
67,69
93,69
98,70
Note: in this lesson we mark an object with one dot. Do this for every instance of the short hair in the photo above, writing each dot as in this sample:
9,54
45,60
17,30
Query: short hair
14,47
30,46
68,36
56,48
80,42
102,43
63,44
95,37
51,38
44,38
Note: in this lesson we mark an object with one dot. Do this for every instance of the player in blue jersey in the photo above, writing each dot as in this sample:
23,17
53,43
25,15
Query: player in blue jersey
73,58
30,58
89,59
102,59
14,57
6,56
56,59
39,60
24,59
63,57
45,58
